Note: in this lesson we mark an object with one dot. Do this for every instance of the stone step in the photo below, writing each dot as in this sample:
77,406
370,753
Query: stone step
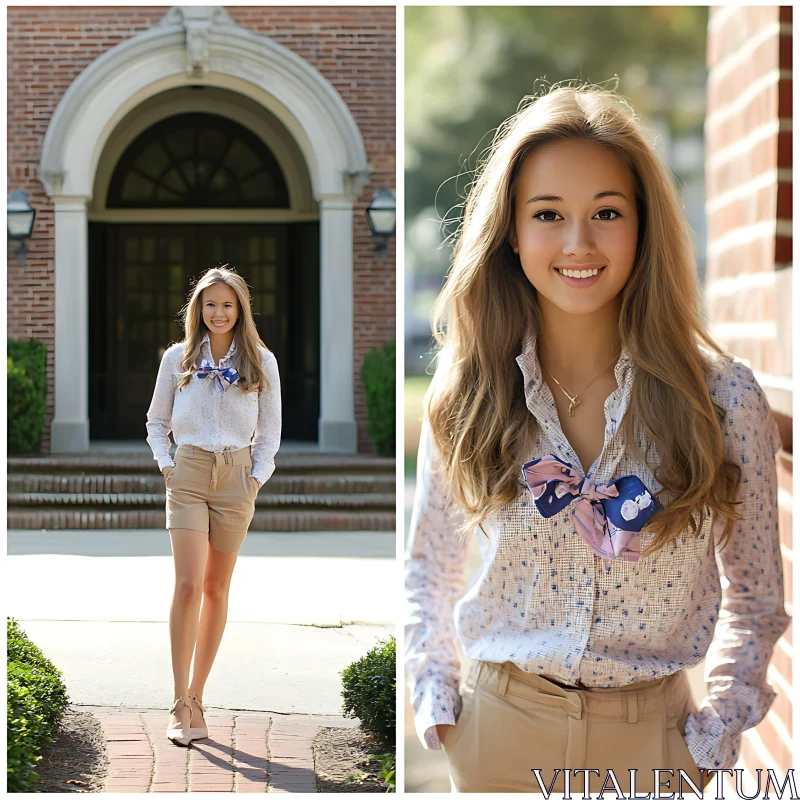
311,520
302,463
97,501
121,483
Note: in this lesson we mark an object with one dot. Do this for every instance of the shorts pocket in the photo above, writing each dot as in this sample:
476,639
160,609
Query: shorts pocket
252,487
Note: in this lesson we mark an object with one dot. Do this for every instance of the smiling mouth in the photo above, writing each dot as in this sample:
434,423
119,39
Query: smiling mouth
580,273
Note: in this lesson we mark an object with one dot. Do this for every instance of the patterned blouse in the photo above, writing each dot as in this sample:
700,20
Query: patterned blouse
543,600
202,415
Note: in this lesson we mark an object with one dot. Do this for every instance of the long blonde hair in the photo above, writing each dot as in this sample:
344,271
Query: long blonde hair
248,356
476,405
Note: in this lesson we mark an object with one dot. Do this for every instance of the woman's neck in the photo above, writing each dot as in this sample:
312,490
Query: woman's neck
575,348
220,344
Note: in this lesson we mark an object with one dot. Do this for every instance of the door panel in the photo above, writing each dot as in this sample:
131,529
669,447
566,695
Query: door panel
140,279
152,266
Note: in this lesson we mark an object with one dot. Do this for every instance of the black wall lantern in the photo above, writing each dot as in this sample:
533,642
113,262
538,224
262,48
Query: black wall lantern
382,218
20,222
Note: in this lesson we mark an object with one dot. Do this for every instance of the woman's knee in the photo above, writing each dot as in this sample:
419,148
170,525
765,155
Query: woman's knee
188,589
216,590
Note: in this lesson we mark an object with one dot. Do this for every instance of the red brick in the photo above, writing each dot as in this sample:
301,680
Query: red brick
48,47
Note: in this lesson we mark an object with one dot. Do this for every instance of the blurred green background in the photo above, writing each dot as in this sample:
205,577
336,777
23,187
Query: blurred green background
466,70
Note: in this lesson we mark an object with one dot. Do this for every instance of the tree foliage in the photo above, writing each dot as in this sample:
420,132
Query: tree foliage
467,68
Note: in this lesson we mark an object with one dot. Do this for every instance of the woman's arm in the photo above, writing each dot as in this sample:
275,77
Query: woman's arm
267,437
435,558
752,617
159,415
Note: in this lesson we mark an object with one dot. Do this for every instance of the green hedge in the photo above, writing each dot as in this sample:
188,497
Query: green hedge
27,394
37,700
369,692
379,379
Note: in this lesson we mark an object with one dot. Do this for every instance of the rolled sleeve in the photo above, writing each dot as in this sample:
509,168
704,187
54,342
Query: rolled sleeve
434,581
752,615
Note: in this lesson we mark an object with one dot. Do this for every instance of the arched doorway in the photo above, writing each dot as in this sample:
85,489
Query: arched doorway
201,48
140,268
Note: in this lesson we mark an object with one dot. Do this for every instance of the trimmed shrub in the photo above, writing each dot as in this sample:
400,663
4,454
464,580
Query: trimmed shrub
27,394
379,379
37,700
369,693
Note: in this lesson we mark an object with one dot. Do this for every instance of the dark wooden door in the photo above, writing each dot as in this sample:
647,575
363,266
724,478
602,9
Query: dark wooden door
143,273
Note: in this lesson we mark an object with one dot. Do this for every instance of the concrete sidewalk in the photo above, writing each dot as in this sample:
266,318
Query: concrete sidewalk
97,603
302,607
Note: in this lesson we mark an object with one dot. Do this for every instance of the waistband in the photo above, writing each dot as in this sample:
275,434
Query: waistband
668,694
242,456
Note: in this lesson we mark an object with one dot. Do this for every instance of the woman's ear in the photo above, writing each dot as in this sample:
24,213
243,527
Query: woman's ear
512,238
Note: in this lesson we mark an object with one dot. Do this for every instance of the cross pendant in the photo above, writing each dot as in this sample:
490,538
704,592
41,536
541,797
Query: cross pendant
573,402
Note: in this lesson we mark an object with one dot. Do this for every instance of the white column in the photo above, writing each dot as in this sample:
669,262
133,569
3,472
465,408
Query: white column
69,432
337,424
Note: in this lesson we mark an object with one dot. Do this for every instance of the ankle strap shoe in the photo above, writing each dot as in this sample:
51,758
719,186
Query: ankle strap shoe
201,731
175,732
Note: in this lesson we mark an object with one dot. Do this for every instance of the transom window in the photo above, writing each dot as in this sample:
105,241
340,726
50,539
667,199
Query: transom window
197,161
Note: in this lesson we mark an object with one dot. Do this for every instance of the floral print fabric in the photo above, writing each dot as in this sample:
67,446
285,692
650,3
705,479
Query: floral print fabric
543,600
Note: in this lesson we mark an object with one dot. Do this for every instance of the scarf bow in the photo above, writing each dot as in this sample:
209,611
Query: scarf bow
608,516
223,378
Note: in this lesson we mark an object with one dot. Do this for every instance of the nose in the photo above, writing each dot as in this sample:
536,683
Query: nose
578,239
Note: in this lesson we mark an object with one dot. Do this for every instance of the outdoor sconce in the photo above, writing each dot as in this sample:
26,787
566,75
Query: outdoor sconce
382,218
20,222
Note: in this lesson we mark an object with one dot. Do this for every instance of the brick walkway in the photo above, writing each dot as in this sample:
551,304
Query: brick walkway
244,752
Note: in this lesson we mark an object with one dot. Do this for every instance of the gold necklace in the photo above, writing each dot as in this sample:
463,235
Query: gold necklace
573,399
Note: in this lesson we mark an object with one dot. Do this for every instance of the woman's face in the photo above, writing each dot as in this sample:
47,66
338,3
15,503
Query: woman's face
220,305
575,209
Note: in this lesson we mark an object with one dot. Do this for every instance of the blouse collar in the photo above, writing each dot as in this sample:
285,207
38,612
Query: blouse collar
207,342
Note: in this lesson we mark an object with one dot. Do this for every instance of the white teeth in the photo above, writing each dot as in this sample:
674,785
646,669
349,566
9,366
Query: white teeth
584,273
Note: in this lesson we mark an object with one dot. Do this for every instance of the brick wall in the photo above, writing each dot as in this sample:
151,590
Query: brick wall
750,272
354,48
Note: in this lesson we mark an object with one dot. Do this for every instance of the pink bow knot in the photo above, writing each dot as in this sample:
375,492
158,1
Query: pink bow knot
556,479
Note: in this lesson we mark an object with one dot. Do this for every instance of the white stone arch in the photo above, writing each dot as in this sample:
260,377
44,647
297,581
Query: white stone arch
223,103
201,45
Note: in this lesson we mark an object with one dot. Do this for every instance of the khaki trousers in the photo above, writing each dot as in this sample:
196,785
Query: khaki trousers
512,722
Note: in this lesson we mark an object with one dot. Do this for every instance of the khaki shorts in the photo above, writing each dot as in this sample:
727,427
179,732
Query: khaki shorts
512,722
212,493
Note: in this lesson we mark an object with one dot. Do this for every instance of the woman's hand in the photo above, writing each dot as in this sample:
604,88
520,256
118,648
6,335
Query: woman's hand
166,472
255,482
442,730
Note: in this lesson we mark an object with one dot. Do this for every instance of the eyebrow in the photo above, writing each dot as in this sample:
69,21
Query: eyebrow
551,198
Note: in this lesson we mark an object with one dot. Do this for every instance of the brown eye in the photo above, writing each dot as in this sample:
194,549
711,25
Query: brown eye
609,211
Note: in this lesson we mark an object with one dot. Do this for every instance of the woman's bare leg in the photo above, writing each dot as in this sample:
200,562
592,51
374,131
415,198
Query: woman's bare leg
213,616
189,551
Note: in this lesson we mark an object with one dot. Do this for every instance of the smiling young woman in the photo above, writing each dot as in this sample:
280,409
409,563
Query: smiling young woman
606,451
218,392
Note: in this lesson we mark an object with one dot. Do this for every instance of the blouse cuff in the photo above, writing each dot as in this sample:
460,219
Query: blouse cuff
165,461
435,706
711,744
262,473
